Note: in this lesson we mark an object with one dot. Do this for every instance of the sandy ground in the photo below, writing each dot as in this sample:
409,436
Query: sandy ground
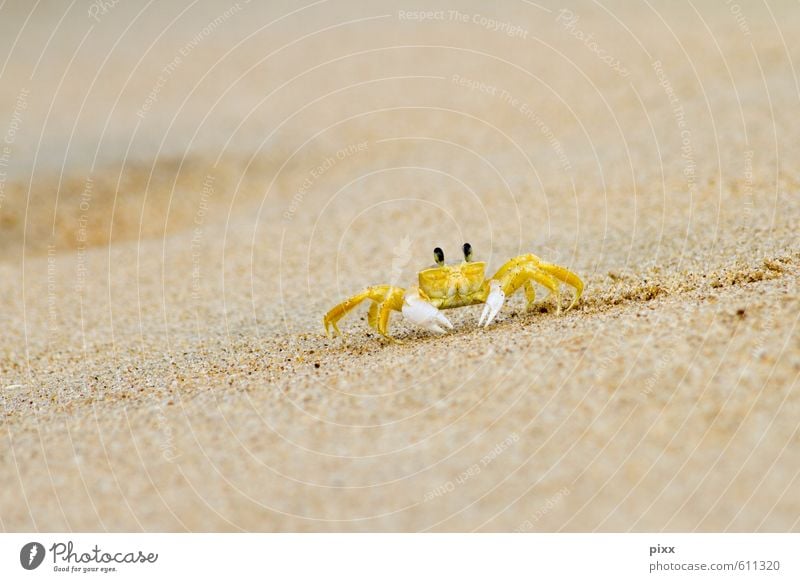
187,189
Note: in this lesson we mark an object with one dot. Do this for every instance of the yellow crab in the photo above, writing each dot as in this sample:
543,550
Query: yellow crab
447,286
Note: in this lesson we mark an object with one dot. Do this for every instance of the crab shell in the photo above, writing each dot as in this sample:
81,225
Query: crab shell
449,286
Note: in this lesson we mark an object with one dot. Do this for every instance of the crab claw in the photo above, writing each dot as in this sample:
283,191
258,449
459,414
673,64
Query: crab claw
493,304
421,313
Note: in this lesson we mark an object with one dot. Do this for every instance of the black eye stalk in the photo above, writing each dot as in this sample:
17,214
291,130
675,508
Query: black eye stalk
438,256
467,252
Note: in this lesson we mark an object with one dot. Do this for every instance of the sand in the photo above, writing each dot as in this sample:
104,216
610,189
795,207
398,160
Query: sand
186,190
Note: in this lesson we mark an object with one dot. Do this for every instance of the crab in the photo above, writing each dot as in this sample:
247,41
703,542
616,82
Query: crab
443,286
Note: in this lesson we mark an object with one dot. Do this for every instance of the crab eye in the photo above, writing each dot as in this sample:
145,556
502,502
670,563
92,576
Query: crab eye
467,252
438,256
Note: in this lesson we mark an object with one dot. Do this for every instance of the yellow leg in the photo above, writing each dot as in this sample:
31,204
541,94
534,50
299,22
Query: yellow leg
523,275
385,297
520,271
372,317
545,280
378,317
567,277
383,318
530,292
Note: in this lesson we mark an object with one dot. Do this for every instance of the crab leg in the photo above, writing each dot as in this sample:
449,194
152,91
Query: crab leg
530,292
529,274
506,273
520,272
385,297
378,317
565,276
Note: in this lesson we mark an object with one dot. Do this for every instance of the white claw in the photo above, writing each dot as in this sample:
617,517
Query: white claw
483,314
443,320
493,304
421,313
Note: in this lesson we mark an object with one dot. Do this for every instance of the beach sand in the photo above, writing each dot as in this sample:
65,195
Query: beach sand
187,190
